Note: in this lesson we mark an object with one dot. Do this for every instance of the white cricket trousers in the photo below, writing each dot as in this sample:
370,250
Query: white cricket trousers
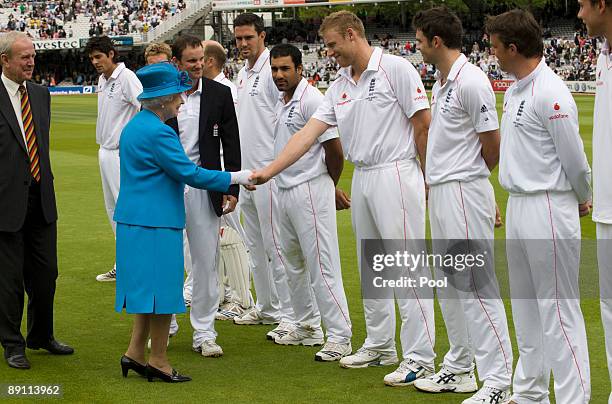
475,316
543,251
109,173
388,202
309,246
202,226
604,261
259,212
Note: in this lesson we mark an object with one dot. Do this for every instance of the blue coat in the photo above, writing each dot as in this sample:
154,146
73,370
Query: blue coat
154,169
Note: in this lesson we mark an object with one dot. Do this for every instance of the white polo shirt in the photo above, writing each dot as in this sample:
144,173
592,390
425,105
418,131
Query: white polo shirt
461,109
541,148
227,82
291,117
373,115
189,124
257,98
117,105
602,138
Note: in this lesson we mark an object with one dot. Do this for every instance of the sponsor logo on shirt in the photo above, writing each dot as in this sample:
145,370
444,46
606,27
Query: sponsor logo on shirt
345,99
557,107
445,107
519,114
111,91
421,96
254,91
371,88
289,120
484,109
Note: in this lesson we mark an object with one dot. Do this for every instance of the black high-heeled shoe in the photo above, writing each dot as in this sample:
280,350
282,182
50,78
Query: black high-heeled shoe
175,377
129,363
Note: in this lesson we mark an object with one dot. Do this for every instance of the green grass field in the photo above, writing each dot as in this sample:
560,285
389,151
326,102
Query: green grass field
252,369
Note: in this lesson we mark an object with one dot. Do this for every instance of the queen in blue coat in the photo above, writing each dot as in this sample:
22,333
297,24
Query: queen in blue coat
150,216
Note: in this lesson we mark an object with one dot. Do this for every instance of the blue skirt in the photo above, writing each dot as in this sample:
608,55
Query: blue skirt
149,270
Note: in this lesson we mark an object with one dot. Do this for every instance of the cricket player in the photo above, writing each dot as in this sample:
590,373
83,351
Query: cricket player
206,120
307,215
118,89
597,16
462,149
233,302
257,98
379,105
545,170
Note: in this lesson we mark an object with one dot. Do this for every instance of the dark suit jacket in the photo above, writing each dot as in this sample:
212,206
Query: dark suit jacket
15,176
217,109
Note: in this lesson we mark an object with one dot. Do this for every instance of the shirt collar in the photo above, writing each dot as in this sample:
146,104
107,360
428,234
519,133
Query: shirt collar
297,94
606,47
12,88
531,76
455,69
120,67
199,90
220,77
373,64
261,60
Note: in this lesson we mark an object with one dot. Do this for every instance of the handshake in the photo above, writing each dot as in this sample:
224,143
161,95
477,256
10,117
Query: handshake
248,178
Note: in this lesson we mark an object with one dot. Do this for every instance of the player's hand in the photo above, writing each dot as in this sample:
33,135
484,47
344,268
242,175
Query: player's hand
229,204
259,177
498,219
585,208
343,201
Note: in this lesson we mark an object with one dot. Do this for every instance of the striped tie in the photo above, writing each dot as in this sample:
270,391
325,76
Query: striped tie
28,127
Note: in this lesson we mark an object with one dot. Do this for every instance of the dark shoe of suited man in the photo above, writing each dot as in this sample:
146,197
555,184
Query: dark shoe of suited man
28,214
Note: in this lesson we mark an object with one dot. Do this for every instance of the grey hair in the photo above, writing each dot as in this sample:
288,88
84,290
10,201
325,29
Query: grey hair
156,102
7,40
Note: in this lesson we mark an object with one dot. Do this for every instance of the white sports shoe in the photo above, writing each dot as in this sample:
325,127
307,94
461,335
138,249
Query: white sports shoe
308,336
209,349
365,357
333,352
228,311
406,374
447,381
283,329
110,276
252,317
489,395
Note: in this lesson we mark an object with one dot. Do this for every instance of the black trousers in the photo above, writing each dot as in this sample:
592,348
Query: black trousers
28,262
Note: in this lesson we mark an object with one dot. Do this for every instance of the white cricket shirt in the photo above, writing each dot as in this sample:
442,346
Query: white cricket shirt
602,138
225,81
257,98
189,124
463,107
117,105
541,148
291,117
373,115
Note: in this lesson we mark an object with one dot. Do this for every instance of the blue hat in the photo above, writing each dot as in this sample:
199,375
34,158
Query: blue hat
161,79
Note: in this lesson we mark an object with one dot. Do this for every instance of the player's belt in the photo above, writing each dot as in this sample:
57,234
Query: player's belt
382,166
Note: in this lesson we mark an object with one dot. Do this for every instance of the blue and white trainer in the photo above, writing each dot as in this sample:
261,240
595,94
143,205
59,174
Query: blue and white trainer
446,381
489,395
406,374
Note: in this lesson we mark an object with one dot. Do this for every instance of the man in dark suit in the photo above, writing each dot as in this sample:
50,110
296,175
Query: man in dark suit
28,215
206,121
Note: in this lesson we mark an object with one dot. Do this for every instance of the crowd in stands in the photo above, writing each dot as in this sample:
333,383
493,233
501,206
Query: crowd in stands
49,20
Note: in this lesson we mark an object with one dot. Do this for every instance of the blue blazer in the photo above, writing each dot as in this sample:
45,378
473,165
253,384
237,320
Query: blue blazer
154,169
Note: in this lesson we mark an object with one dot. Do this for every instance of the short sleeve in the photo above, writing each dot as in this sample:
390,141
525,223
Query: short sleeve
478,100
310,103
326,112
132,89
407,85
